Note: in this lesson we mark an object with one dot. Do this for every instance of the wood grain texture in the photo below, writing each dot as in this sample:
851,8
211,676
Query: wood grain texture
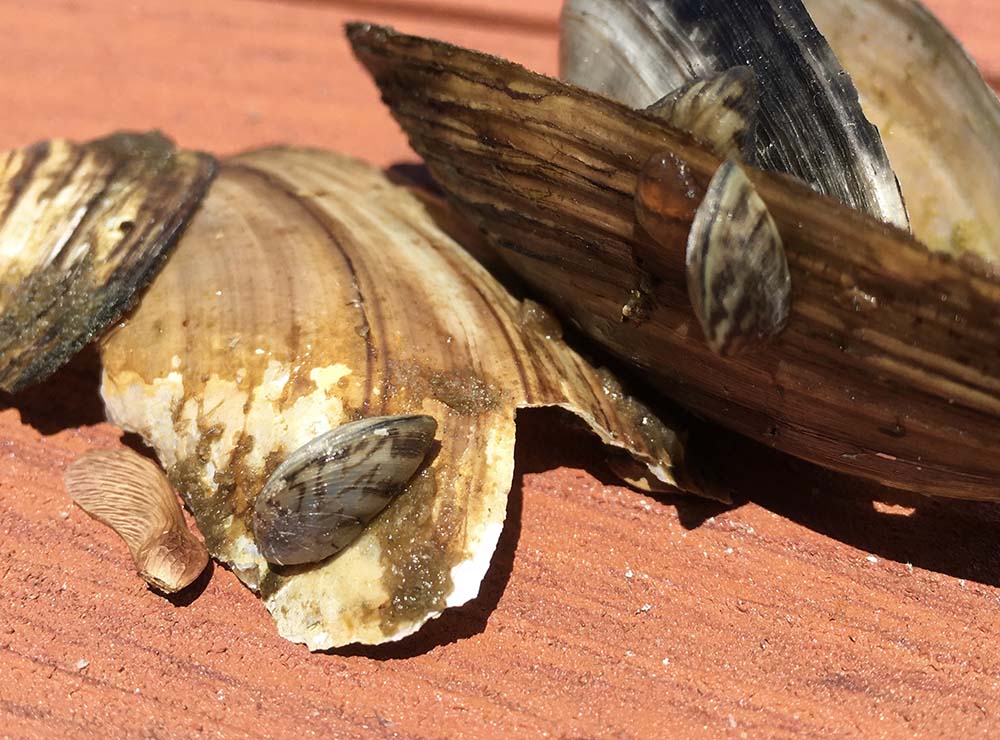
905,394
606,613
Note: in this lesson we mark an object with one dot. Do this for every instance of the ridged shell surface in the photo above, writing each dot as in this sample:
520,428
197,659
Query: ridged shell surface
309,292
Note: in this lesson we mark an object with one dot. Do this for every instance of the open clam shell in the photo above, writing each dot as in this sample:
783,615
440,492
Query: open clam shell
889,366
83,227
939,119
309,292
809,124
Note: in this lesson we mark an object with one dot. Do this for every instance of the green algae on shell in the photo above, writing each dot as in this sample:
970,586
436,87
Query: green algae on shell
939,119
309,292
83,228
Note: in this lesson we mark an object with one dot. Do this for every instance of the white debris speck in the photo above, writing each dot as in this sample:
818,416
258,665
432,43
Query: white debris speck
909,567
629,573
729,551
872,559
666,661
64,515
82,663
629,654
644,608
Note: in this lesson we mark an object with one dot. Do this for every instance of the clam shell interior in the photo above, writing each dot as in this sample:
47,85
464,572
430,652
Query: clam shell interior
939,119
308,292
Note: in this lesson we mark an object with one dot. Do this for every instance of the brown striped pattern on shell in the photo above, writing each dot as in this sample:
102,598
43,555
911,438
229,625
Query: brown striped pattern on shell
737,274
720,110
320,499
83,227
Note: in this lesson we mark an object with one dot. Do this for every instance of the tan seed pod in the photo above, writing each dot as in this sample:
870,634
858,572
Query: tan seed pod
131,495
737,273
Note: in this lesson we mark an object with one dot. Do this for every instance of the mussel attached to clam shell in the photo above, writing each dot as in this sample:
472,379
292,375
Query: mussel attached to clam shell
330,382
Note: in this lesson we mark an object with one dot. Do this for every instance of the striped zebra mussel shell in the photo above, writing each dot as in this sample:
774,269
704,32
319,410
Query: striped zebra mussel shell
320,499
737,273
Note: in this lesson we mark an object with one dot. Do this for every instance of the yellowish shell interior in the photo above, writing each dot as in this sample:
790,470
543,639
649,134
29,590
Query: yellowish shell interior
310,291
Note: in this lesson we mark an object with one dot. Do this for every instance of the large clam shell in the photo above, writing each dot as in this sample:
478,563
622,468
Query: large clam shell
889,366
309,292
83,227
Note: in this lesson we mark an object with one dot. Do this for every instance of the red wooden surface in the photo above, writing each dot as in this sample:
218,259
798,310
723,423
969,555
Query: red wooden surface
811,608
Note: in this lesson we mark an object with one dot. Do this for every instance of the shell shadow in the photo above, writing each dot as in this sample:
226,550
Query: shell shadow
187,595
68,399
948,536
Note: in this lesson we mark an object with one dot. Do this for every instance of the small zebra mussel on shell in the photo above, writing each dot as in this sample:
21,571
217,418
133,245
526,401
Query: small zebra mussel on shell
320,499
733,235
603,208
721,110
